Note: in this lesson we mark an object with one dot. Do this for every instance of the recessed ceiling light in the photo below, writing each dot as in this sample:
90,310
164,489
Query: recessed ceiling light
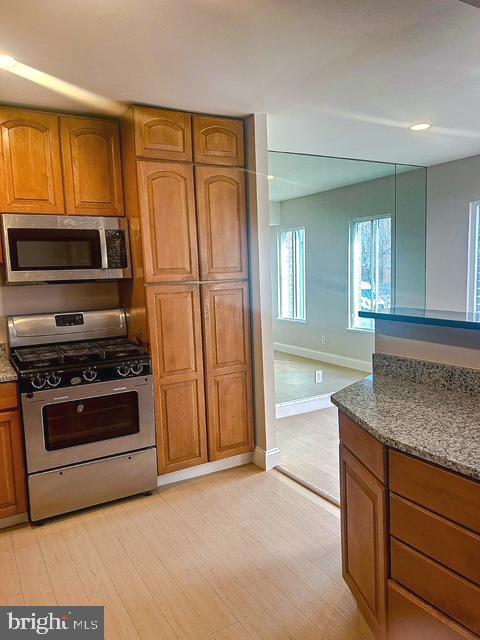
270,177
6,62
421,126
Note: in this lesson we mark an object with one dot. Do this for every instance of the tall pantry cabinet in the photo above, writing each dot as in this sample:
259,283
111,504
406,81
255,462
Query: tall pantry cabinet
185,199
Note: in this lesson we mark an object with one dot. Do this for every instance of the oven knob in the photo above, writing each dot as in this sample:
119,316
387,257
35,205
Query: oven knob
136,368
38,381
89,374
123,370
53,379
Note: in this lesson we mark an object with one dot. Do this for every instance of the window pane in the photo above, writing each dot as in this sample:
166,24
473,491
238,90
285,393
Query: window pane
291,286
371,269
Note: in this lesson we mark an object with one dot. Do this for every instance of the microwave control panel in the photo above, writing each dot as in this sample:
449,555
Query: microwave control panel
116,249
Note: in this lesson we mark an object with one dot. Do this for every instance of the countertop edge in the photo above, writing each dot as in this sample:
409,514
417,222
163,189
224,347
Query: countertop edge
465,470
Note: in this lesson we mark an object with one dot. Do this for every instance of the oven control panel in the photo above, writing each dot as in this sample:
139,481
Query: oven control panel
89,374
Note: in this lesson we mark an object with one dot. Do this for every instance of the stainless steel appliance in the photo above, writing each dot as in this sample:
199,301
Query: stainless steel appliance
40,248
87,402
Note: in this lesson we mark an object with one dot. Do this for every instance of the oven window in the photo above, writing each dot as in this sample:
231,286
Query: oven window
76,422
48,249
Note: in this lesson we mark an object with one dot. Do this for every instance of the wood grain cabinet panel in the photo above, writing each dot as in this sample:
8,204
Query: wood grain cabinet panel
409,618
226,321
30,165
364,538
176,343
371,452
92,166
443,589
222,223
167,213
218,141
444,541
162,134
444,492
13,496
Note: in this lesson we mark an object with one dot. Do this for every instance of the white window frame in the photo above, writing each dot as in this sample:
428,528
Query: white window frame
279,273
351,289
473,257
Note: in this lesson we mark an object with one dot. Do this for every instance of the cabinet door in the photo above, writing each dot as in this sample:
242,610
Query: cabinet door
92,166
218,141
163,135
167,213
222,223
176,344
30,166
226,321
13,497
364,538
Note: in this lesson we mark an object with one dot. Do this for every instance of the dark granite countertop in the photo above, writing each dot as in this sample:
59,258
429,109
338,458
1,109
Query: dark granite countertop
435,423
7,372
456,319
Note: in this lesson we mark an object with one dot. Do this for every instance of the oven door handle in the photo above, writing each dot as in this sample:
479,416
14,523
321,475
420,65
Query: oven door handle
62,398
120,389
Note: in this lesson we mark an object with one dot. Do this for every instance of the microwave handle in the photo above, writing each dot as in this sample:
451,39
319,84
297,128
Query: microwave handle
103,248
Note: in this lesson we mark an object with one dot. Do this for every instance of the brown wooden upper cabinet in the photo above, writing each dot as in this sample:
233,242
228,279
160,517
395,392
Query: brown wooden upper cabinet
226,322
218,141
30,166
176,341
222,223
92,166
162,134
167,213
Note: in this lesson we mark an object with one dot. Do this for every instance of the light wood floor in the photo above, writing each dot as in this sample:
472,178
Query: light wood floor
295,377
309,445
238,555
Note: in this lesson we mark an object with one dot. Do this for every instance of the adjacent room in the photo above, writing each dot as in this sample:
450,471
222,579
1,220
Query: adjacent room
346,236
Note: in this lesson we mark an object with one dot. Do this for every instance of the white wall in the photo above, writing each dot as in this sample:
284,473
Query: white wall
326,217
450,189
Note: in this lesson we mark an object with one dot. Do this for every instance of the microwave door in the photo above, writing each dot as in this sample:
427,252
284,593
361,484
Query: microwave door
38,255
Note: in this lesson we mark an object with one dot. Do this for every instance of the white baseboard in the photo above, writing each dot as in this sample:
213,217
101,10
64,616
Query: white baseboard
295,407
204,469
323,356
267,459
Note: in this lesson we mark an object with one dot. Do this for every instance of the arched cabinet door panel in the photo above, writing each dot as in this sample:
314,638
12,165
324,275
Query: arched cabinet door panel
30,165
222,223
167,213
162,135
92,166
218,141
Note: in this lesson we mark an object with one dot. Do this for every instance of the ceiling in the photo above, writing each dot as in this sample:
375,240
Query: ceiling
296,175
336,77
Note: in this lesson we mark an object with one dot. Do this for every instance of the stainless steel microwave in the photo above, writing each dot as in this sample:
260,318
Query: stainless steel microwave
46,248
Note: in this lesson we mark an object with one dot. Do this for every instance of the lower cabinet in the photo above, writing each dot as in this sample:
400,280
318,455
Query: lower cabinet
13,495
176,343
410,618
226,321
364,538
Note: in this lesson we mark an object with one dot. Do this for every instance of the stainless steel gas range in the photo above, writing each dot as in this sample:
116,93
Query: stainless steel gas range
87,404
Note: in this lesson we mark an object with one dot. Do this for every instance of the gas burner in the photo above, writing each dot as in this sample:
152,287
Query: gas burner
121,348
38,357
84,352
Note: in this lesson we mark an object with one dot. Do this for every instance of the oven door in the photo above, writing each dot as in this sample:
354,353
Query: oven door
77,424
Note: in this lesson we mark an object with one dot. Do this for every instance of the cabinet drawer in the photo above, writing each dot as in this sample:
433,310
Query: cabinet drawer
451,495
364,446
444,541
8,395
440,587
411,619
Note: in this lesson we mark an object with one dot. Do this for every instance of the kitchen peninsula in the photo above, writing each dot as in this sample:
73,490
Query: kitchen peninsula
410,478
